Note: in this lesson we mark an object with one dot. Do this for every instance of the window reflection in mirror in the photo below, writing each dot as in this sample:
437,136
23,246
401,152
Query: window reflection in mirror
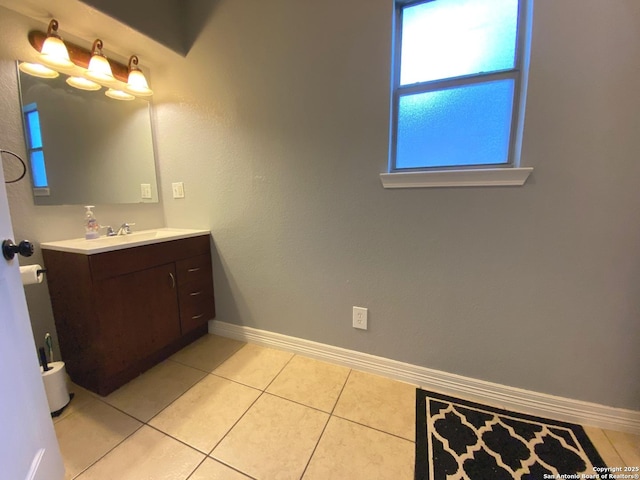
35,151
83,147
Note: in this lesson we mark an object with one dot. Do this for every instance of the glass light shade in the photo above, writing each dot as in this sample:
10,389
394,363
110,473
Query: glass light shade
137,83
54,52
99,69
83,83
118,95
37,70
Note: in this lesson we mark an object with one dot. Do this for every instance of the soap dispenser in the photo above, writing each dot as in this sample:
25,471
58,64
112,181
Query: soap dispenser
91,227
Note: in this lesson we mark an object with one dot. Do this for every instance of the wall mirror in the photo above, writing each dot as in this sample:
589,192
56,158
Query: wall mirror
85,148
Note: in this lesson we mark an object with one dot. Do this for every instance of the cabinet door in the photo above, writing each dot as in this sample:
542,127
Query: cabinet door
139,315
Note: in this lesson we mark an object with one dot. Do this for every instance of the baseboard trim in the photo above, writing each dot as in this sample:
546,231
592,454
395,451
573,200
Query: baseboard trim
502,396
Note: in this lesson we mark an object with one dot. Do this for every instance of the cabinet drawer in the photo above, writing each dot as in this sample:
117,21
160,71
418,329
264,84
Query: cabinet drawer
196,308
195,269
128,260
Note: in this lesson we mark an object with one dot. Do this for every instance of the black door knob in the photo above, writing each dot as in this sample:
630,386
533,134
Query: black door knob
9,249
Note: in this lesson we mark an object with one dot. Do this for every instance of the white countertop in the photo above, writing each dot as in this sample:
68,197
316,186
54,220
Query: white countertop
134,239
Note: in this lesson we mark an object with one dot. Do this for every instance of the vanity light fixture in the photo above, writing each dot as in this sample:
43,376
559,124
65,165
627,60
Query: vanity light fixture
83,83
99,69
136,81
86,69
38,70
118,94
54,52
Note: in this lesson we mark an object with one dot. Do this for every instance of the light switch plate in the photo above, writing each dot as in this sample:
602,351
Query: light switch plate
178,189
145,190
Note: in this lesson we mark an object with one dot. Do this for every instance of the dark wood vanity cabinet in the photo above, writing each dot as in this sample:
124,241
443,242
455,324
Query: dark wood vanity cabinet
118,313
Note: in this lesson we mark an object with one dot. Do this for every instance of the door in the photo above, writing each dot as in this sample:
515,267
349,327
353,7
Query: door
28,446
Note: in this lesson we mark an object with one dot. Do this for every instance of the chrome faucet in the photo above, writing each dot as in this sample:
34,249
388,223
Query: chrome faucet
125,229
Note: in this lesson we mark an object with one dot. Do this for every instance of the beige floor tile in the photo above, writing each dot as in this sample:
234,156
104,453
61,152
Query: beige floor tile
207,352
89,433
145,396
311,382
603,446
627,445
274,439
254,365
380,403
147,454
213,470
206,412
348,450
81,397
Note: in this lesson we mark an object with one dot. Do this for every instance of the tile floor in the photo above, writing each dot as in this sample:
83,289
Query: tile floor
222,409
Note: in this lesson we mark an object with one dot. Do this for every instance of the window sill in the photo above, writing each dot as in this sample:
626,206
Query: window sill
486,177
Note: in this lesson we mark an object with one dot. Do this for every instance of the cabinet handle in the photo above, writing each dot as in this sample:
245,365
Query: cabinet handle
193,294
196,317
193,269
173,280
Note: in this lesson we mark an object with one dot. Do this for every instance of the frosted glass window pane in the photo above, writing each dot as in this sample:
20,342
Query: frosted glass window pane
38,169
467,125
450,38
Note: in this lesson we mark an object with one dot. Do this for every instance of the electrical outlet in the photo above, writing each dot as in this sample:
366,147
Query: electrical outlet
145,190
178,189
360,318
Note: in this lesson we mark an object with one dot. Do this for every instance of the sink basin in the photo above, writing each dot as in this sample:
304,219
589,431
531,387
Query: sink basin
134,239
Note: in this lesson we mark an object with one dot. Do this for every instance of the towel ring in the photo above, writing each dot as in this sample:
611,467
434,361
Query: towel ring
24,166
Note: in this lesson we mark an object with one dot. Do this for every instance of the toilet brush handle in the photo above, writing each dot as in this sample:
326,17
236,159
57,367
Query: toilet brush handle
43,359
49,343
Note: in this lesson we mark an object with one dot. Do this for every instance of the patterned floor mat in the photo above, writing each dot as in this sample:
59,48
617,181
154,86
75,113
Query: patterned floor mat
457,439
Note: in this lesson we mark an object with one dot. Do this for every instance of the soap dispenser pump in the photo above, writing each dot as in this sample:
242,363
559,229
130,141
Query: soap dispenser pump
91,227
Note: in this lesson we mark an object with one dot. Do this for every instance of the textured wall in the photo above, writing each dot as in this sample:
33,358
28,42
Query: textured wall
277,122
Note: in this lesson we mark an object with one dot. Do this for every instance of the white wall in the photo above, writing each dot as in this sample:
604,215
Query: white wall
277,122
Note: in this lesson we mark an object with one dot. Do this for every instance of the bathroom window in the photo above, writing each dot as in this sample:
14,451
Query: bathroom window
457,84
35,149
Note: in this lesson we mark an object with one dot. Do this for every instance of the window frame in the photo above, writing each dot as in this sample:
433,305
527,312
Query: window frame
517,74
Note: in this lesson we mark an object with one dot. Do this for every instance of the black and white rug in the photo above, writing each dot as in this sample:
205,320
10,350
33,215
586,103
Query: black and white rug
457,439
